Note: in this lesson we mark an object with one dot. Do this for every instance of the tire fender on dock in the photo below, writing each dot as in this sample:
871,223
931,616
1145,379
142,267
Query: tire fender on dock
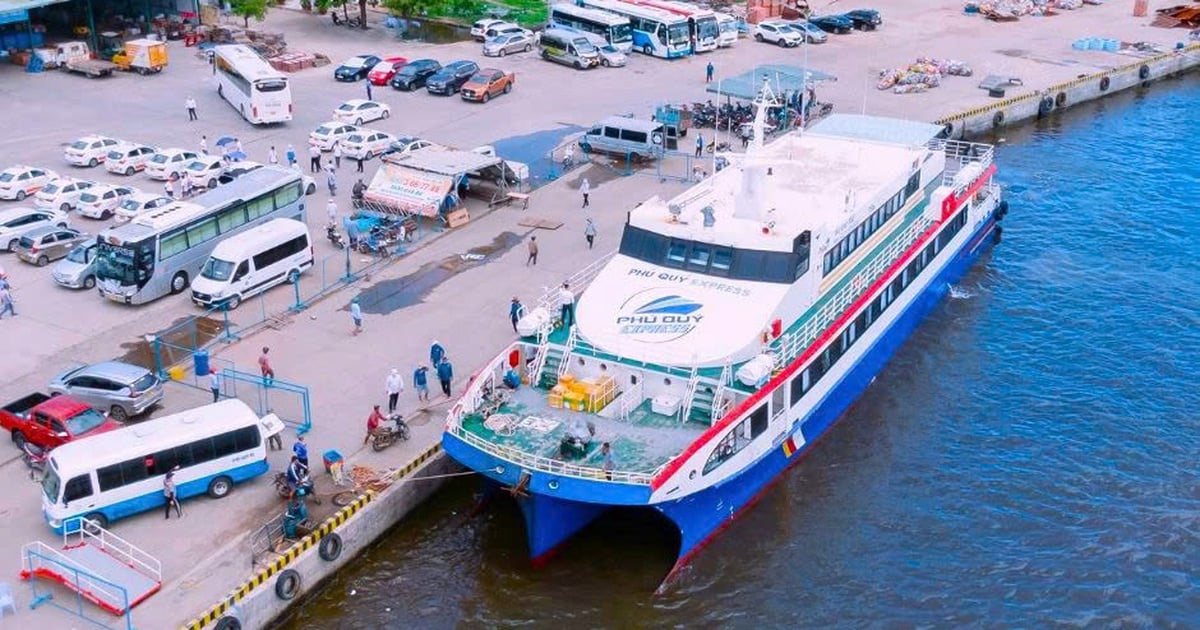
1060,100
1104,83
228,623
1144,73
997,119
331,547
287,585
1045,107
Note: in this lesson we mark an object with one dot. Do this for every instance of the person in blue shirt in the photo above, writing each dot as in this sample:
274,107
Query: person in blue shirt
515,310
421,382
445,373
300,450
436,352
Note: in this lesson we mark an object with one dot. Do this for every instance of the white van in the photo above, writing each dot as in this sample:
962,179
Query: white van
569,48
252,262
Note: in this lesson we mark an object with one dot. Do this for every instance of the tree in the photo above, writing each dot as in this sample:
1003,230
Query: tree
247,9
407,8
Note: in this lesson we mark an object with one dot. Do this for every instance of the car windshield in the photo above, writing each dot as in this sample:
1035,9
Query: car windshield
84,422
50,188
6,177
88,197
501,39
79,255
609,50
217,269
382,66
80,144
50,484
678,33
355,62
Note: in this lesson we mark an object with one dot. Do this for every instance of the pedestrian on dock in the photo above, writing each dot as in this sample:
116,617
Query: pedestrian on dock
373,422
585,188
6,301
204,145
359,166
394,386
515,311
421,382
436,352
191,109
699,145
169,495
589,232
356,315
272,158
337,155
445,373
533,251
606,461
291,156
264,366
300,451
314,159
331,180
369,98
214,383
566,302
708,72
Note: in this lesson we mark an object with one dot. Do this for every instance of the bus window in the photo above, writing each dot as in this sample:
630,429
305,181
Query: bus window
77,488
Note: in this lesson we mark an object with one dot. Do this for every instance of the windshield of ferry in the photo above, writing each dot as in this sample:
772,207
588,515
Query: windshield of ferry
707,28
622,33
678,33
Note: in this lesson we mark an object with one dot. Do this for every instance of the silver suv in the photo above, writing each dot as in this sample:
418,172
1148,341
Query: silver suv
119,389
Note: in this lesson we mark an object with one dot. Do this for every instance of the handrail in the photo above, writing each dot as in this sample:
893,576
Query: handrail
83,579
718,404
689,396
630,399
579,281
554,466
564,361
960,153
539,357
112,544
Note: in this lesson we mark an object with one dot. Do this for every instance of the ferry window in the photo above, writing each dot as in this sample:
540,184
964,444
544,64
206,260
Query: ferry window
797,387
876,309
612,132
759,420
77,488
779,268
777,403
699,258
629,135
722,259
676,254
748,264
818,370
172,243
863,320
801,265
914,184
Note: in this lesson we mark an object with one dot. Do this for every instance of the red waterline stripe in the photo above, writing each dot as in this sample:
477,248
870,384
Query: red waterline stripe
675,464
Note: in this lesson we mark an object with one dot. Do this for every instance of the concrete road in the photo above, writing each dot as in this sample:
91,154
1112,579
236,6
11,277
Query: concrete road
433,292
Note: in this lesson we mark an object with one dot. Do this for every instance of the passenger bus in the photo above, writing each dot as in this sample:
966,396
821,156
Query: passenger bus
728,26
613,28
163,249
656,32
259,92
703,27
120,473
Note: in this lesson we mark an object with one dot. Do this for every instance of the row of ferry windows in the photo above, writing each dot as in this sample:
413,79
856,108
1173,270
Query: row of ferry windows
756,423
717,260
859,235
183,238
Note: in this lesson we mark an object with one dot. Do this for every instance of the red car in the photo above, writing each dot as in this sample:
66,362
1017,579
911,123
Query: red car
385,70
51,421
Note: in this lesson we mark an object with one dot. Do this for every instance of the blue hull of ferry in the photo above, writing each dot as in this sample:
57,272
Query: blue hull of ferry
550,520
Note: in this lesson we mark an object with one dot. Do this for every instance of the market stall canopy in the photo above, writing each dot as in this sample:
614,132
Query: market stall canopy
418,182
782,78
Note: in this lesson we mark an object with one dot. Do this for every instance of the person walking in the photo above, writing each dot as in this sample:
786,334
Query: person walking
585,188
515,311
204,145
337,155
699,144
6,301
436,352
394,386
177,186
708,72
533,251
214,383
186,183
369,97
169,495
606,456
191,107
291,156
264,366
314,159
421,382
331,211
589,232
566,302
300,451
360,164
356,315
445,373
272,158
331,181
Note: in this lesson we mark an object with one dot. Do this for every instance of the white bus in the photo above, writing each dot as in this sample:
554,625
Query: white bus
163,249
613,28
728,26
120,473
245,265
259,92
703,28
656,32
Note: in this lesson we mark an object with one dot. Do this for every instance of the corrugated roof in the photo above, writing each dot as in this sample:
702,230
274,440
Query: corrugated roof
783,78
25,5
876,128
445,161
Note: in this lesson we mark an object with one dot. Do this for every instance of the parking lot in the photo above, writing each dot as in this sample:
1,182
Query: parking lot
465,307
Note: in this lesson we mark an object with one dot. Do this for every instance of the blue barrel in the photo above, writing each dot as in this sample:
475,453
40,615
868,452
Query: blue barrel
200,359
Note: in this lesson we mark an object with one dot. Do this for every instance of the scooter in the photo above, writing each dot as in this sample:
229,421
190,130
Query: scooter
306,488
335,237
384,437
352,22
35,458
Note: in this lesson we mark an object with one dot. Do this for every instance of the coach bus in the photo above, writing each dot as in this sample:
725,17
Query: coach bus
613,28
703,28
162,250
260,93
656,32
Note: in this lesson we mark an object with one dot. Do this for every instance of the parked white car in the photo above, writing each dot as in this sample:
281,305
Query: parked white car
19,182
327,134
169,162
137,203
481,27
127,159
777,33
404,145
205,170
102,201
62,193
89,150
366,144
359,111
17,222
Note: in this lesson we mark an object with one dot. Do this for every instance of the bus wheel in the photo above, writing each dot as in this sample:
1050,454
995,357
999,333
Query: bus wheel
98,521
219,488
179,282
648,49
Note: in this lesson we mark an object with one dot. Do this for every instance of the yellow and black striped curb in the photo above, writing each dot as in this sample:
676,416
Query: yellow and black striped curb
304,544
1059,87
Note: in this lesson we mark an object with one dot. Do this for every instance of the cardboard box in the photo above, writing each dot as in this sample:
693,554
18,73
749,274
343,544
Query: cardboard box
457,218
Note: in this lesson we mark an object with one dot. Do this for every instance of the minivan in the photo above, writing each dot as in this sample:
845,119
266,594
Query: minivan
119,389
569,48
623,135
252,262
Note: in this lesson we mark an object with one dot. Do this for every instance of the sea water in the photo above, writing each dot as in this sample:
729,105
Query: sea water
1030,457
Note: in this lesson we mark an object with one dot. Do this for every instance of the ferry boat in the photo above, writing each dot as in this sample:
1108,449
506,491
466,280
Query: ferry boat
733,327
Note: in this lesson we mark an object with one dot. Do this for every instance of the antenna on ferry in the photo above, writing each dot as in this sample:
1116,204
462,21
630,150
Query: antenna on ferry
765,100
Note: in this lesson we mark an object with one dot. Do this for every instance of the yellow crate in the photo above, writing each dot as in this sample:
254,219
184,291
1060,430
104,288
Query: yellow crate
555,402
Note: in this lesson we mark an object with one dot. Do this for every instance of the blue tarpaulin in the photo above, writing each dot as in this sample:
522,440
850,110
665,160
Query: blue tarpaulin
782,78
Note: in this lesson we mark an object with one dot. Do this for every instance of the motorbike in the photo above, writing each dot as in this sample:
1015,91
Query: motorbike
35,458
306,487
335,237
386,436
351,22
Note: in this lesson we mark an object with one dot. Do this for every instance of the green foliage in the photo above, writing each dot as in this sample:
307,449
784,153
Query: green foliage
524,12
247,9
410,8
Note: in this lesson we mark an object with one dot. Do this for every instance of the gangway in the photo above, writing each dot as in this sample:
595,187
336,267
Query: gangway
100,566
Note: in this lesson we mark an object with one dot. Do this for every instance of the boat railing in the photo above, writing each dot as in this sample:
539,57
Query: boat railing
668,363
629,400
552,466
539,355
719,405
577,282
791,345
960,153
565,362
689,395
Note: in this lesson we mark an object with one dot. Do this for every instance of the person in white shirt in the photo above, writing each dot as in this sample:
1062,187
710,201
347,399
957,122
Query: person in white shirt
337,155
191,107
204,145
314,159
394,387
566,300
271,157
331,210
214,383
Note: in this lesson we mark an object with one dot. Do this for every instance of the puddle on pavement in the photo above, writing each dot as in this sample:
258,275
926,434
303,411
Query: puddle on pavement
387,296
428,32
534,150
177,344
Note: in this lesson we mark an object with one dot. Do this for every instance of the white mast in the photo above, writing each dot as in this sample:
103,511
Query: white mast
750,200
